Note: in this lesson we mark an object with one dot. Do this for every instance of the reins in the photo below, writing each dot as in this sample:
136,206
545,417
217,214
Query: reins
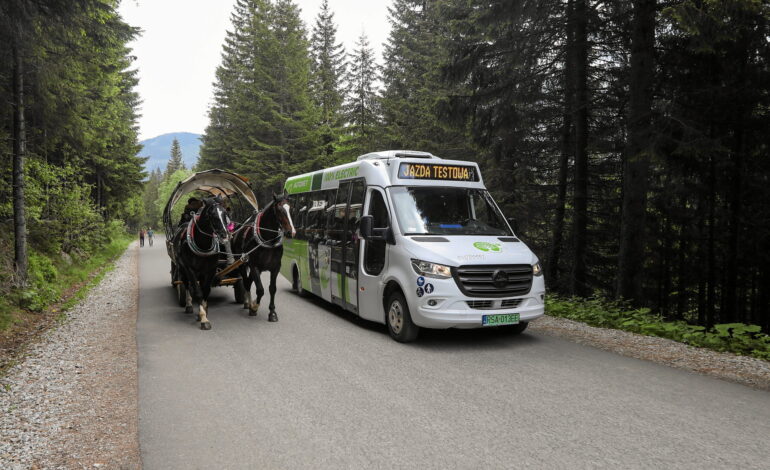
256,228
214,250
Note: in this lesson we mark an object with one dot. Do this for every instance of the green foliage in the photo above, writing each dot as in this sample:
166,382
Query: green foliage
165,189
737,338
263,121
328,70
362,109
175,161
52,274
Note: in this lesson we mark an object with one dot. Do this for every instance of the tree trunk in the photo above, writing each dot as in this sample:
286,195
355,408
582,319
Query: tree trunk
712,262
567,148
637,155
19,151
579,286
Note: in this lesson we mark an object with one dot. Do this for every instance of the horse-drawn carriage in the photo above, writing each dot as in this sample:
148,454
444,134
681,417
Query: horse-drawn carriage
241,204
224,240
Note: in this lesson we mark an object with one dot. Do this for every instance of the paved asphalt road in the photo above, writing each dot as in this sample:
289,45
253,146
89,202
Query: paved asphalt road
323,390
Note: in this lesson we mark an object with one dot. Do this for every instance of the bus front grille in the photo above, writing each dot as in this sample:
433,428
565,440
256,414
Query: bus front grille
494,281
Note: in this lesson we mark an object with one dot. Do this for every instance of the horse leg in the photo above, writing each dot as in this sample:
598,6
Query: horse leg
190,284
255,278
272,316
246,283
202,310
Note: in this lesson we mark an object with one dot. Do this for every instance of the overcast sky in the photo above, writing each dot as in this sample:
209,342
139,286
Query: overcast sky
181,44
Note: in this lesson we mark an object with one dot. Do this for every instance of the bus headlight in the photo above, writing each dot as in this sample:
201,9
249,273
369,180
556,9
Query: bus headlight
537,270
424,268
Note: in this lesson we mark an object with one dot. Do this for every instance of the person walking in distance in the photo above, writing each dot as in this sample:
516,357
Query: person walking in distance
150,233
141,237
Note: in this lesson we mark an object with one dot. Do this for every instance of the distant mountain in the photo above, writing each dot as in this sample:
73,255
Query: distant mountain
159,149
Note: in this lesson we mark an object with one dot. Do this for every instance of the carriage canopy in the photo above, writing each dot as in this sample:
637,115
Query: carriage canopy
231,186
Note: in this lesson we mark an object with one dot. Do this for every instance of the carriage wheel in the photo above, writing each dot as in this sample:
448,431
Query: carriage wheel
240,292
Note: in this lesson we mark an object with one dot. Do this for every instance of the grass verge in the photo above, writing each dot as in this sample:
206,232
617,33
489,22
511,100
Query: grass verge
56,285
738,338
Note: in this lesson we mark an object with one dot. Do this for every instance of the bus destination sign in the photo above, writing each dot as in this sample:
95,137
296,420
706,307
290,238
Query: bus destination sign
436,171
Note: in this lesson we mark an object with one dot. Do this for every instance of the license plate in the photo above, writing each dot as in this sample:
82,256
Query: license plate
500,319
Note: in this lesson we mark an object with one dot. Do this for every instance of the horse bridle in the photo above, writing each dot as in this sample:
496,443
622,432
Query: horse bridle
214,250
274,242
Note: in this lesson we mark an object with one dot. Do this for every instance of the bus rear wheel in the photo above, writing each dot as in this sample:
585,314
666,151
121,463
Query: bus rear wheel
399,320
296,283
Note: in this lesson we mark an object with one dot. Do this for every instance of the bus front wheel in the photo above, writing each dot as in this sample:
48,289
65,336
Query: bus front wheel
398,319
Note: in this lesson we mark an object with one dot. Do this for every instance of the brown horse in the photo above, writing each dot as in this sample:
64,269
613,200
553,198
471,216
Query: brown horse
263,240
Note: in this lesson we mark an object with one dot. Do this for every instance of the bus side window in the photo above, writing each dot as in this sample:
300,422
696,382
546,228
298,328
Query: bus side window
374,254
357,194
336,214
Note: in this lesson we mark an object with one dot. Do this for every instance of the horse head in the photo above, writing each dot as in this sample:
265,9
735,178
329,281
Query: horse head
214,218
283,213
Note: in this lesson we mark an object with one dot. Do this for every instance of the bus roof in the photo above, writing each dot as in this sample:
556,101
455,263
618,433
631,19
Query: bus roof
392,168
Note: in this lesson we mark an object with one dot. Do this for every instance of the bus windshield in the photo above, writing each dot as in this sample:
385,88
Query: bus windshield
424,210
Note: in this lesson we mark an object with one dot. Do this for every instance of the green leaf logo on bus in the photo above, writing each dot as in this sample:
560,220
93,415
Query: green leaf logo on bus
484,246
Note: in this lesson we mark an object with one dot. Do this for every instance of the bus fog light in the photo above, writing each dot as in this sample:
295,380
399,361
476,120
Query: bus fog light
432,302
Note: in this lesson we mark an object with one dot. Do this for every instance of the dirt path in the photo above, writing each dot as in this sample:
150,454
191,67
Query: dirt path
71,402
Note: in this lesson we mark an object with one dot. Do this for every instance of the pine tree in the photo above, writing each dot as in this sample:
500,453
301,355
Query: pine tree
328,72
414,56
263,122
362,109
175,161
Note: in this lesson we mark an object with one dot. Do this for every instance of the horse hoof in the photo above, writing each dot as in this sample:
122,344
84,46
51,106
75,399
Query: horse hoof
188,310
252,313
205,326
272,317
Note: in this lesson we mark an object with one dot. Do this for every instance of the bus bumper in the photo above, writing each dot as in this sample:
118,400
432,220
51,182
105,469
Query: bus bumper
460,311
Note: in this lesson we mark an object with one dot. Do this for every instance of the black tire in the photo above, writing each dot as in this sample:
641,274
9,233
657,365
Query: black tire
181,294
296,283
399,320
516,329
240,292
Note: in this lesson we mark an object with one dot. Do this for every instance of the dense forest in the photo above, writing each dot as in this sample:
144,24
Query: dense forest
628,138
68,137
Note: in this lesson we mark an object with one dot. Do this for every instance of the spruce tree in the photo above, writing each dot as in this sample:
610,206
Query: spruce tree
175,161
415,54
263,122
362,108
328,72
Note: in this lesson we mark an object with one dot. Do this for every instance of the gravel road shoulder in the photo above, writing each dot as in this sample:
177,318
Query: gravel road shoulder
726,366
71,402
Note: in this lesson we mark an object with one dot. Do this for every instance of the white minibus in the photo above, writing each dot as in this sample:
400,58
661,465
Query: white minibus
413,241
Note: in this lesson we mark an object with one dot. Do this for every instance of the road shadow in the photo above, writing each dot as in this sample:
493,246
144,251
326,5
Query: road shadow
450,339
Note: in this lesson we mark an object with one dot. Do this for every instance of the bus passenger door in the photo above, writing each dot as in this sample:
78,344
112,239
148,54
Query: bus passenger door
373,259
344,253
335,239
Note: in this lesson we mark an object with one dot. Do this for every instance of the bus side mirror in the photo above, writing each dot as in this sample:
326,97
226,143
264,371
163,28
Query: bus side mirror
514,225
366,227
369,233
